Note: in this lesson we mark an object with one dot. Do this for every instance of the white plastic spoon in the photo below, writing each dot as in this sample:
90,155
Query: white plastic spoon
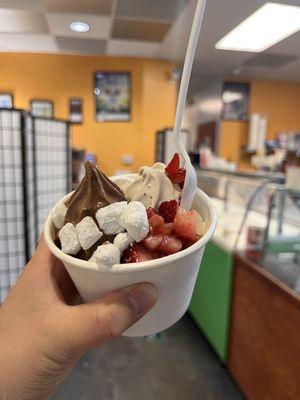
190,183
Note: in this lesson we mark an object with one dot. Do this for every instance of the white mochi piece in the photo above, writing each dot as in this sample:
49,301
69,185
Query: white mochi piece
134,219
88,232
69,239
122,241
106,255
58,215
108,218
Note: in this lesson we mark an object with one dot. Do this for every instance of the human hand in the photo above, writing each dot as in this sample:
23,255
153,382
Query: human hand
44,330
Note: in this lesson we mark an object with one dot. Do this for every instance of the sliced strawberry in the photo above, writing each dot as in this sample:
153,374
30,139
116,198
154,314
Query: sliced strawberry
166,229
187,225
170,244
151,212
174,172
156,222
152,242
163,229
168,210
136,253
178,178
173,166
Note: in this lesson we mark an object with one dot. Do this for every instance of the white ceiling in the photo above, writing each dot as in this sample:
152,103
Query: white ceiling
42,26
221,16
131,48
59,25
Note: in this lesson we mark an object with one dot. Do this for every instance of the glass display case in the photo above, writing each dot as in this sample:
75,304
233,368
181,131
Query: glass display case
259,216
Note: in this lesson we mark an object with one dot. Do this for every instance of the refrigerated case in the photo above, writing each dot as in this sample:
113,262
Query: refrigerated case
244,200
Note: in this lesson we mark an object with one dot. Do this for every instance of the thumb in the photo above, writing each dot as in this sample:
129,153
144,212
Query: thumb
92,324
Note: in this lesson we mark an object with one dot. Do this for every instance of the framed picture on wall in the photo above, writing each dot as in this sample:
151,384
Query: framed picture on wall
112,92
41,108
235,99
75,110
6,100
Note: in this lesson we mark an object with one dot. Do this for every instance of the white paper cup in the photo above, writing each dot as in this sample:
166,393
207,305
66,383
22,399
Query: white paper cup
174,276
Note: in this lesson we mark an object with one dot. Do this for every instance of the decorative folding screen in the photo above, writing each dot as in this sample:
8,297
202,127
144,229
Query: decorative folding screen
12,212
34,175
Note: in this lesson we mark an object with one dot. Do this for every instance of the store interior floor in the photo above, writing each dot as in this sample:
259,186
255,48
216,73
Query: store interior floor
177,365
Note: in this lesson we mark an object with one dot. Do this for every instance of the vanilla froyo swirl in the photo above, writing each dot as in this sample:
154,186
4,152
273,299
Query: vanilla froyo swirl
151,187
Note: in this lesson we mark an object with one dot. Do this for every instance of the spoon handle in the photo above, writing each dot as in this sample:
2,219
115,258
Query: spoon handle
185,78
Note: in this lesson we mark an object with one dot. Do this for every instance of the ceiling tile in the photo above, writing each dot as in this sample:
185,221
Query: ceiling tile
60,25
268,60
82,46
93,7
33,43
167,10
17,21
289,46
131,48
288,72
139,30
21,4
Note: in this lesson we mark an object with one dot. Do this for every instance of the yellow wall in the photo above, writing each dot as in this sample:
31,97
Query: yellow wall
158,108
58,77
233,136
280,101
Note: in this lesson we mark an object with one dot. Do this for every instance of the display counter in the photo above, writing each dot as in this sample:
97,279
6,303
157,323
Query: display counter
243,202
264,346
211,301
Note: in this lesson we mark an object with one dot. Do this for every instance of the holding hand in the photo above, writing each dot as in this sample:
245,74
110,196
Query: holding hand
44,329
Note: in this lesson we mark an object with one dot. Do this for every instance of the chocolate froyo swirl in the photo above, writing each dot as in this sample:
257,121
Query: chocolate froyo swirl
95,191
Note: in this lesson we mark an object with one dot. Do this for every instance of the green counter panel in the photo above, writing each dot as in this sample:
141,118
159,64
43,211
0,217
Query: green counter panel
211,301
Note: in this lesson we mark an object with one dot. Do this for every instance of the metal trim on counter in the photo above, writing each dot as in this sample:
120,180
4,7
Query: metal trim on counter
244,174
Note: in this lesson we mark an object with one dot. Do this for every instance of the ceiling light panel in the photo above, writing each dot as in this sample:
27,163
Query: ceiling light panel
270,24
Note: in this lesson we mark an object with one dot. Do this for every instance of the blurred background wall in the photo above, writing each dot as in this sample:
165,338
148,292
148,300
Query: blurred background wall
59,77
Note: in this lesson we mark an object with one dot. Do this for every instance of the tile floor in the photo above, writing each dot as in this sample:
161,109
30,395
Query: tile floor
178,365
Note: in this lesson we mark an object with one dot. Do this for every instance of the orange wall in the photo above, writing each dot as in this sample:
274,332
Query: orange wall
280,101
158,108
58,77
233,136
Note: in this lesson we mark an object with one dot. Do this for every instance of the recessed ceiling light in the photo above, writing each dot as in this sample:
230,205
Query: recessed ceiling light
270,24
78,26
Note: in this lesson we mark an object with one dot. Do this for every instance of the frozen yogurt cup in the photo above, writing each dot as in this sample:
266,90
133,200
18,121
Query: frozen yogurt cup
174,275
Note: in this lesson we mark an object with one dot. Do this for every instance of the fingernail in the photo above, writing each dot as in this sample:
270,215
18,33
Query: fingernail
142,297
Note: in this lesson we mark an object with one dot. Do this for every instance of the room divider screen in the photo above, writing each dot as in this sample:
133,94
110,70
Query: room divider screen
35,172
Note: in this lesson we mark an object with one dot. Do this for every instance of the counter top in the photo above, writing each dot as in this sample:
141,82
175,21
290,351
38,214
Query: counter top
281,266
260,175
229,223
